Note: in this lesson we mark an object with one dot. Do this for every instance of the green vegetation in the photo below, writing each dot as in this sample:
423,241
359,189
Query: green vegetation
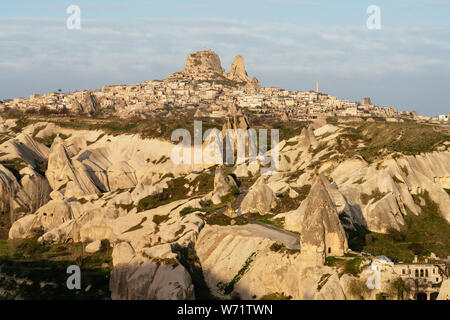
398,289
160,219
223,82
375,195
297,174
349,266
127,207
281,248
20,124
45,268
187,210
41,167
405,170
267,219
220,219
180,231
139,225
322,146
358,288
88,143
176,191
428,232
382,296
287,203
48,141
15,165
380,138
276,296
323,280
227,289
447,190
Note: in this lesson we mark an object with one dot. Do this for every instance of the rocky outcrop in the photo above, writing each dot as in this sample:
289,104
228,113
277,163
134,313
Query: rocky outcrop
25,148
206,65
201,65
260,199
307,139
379,195
237,264
87,104
239,74
223,184
321,232
64,172
159,277
444,292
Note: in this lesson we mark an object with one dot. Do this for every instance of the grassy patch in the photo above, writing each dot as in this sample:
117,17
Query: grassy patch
428,232
222,220
281,248
48,141
160,219
88,143
45,267
276,296
15,165
349,266
409,138
323,280
139,225
286,203
176,191
180,231
227,289
187,210
376,195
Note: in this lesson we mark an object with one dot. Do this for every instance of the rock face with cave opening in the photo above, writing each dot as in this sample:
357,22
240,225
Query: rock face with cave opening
322,233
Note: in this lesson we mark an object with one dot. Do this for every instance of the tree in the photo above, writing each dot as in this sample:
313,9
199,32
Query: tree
398,289
415,247
358,288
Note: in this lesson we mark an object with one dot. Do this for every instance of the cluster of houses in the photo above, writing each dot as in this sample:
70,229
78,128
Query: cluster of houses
423,279
211,98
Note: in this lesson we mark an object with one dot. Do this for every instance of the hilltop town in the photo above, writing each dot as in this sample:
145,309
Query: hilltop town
360,194
204,88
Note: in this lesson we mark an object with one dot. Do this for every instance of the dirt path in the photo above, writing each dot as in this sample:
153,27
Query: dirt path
258,229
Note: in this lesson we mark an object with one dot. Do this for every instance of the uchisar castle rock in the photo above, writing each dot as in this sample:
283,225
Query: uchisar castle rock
205,88
359,189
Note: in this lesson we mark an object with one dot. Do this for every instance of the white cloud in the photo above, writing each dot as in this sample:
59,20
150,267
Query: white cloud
42,55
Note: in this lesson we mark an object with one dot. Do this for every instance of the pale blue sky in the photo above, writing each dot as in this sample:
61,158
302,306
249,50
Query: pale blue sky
286,43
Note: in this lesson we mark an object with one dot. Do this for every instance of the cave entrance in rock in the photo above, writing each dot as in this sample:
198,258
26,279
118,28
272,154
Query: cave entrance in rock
421,296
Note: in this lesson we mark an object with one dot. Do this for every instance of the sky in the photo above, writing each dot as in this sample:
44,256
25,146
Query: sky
285,43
